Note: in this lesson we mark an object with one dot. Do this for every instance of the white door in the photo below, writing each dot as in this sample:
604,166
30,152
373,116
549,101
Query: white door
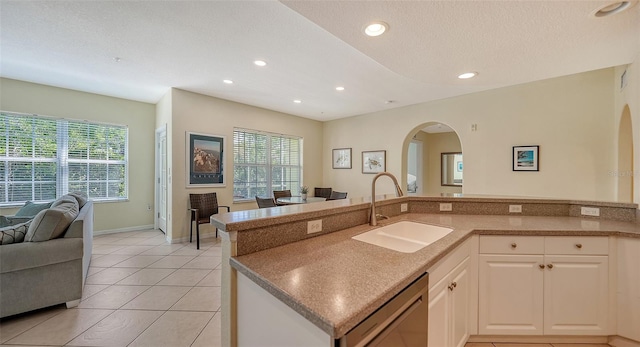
414,168
576,295
161,179
511,295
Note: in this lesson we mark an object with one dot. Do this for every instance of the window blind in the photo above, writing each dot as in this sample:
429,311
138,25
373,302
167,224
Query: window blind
264,162
43,158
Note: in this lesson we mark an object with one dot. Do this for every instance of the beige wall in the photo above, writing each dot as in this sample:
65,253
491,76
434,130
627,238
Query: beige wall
204,114
571,118
628,97
435,145
18,96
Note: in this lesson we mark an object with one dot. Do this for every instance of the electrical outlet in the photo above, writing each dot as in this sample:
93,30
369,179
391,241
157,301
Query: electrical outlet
446,206
515,208
404,207
590,211
314,226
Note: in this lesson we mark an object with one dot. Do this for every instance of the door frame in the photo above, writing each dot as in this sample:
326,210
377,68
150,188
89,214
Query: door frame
161,131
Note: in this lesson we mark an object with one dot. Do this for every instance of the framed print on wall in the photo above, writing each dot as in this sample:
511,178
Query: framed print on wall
374,161
526,158
205,160
341,158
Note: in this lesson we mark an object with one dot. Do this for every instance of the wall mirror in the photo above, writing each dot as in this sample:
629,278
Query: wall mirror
451,169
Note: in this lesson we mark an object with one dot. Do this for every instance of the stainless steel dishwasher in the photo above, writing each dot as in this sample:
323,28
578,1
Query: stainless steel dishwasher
401,322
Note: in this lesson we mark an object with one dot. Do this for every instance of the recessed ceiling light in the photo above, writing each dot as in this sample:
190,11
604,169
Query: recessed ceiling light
227,81
612,8
339,89
467,75
376,28
260,63
297,101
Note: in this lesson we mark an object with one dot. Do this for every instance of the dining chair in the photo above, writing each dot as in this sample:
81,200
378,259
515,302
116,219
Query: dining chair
265,202
337,195
277,194
322,192
203,206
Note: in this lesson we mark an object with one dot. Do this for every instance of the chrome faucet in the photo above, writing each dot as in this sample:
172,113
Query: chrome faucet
374,218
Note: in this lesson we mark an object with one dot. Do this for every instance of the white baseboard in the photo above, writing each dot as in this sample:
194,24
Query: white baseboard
538,339
122,230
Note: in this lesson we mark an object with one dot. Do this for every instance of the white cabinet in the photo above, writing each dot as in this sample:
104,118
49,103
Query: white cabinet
450,299
511,289
629,288
543,285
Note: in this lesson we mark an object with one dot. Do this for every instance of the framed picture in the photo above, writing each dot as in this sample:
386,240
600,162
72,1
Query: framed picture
205,160
341,158
374,161
526,158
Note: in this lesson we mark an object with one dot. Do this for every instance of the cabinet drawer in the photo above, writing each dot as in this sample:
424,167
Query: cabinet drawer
570,245
508,244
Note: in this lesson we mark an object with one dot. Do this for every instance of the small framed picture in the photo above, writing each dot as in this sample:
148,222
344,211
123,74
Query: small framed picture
374,162
341,158
526,158
205,160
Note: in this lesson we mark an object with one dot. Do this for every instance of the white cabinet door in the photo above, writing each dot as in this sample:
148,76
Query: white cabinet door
460,304
439,314
629,288
511,294
576,295
449,308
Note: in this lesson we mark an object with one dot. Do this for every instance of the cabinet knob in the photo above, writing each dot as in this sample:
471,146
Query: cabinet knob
579,245
514,245
550,266
541,266
454,284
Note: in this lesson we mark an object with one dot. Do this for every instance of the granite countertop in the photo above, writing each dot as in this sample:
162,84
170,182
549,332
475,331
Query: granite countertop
335,282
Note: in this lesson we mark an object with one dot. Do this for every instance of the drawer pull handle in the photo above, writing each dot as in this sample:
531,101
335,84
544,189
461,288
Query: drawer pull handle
550,266
541,266
579,245
514,245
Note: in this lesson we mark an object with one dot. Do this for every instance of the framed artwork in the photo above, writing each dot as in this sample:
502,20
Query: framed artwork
205,160
374,161
341,158
526,158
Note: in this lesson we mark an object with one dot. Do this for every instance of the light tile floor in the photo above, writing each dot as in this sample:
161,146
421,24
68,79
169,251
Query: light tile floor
141,291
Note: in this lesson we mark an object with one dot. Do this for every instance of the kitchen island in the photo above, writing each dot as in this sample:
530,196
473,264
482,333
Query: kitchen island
334,282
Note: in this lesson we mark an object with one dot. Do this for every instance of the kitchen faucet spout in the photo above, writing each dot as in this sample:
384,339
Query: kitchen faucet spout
374,218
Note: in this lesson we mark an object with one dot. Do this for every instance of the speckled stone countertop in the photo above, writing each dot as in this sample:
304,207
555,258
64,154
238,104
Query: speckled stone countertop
335,282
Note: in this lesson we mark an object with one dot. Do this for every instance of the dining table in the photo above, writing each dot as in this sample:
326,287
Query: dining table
294,200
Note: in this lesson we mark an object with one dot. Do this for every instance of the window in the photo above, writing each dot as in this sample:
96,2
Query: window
264,162
43,158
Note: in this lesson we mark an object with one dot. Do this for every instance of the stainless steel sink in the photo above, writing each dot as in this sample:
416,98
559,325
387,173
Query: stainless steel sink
405,236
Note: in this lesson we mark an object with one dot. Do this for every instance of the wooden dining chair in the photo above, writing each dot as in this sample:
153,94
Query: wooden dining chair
265,202
203,206
337,195
277,194
322,192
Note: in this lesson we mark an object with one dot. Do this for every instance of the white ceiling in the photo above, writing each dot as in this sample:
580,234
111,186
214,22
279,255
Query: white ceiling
310,47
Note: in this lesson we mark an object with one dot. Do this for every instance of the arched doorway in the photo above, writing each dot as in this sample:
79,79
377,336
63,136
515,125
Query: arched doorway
625,157
425,150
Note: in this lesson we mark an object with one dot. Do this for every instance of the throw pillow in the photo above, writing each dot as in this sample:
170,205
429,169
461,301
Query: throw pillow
14,233
81,197
31,209
52,223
